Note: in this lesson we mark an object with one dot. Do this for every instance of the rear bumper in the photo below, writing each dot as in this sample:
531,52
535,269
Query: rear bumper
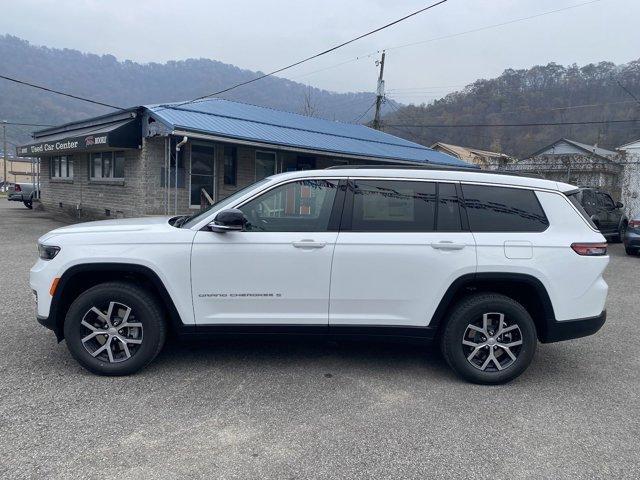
15,197
557,331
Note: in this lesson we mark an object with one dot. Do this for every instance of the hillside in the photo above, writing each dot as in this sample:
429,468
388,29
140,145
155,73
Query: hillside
127,83
535,95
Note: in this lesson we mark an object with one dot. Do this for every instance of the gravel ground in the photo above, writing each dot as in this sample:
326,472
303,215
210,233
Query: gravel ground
311,410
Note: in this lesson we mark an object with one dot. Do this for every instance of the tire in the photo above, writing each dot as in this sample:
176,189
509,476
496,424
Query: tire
620,235
472,310
631,251
28,204
144,335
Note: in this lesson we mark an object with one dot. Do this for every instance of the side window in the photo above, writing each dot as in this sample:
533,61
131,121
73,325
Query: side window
589,201
393,206
502,209
303,206
448,215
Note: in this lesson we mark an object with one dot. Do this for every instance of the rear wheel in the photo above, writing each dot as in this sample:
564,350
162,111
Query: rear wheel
621,231
115,329
489,339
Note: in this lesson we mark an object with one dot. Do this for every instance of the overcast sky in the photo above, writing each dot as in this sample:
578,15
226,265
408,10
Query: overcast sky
267,34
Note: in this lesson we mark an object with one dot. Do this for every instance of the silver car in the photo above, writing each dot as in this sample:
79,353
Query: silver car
22,192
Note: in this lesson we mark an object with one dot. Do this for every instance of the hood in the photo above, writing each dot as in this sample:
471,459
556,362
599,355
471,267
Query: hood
111,226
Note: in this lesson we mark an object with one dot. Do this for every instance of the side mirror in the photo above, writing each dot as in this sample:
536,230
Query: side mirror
619,205
228,220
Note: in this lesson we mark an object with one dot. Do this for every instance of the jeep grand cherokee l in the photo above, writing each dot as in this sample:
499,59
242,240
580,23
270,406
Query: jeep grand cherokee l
485,264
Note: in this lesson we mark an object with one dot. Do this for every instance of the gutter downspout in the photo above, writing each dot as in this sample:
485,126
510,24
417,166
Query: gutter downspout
175,199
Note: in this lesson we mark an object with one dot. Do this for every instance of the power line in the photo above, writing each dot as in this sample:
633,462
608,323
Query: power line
543,124
466,32
359,117
46,89
324,52
628,92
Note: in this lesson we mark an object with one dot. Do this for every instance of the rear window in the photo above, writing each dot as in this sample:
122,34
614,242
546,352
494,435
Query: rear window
576,198
503,209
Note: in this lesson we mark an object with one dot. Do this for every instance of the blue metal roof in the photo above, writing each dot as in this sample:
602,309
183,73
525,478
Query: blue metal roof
265,125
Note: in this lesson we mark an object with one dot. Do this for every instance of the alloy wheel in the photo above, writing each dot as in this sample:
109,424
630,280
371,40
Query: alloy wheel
490,344
112,334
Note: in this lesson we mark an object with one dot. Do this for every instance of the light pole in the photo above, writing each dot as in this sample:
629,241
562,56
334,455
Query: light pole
4,152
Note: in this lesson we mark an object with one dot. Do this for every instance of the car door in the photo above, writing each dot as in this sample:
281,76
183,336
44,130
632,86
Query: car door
607,212
401,245
276,271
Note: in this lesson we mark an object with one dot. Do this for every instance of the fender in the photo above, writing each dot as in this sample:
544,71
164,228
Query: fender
480,280
60,303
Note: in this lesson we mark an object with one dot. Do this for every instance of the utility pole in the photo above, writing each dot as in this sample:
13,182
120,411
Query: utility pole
380,94
4,152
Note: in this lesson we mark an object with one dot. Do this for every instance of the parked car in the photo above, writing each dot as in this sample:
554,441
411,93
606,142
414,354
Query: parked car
22,192
632,237
484,264
605,214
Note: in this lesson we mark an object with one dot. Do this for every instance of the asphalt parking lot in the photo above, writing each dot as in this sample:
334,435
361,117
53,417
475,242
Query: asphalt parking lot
289,410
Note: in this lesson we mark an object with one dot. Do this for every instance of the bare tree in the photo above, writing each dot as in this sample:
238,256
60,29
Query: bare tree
309,105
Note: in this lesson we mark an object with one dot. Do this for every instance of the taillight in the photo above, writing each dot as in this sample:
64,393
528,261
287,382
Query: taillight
590,249
17,188
634,224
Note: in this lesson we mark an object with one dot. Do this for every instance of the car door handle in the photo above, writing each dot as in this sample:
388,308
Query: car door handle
308,244
447,245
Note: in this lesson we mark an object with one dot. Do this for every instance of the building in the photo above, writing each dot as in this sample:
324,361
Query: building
163,159
19,170
630,182
576,163
482,158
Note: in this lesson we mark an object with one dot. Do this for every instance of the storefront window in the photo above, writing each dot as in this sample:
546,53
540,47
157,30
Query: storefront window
107,165
61,166
265,164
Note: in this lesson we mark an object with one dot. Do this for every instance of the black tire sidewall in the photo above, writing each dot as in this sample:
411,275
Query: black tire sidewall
473,308
146,311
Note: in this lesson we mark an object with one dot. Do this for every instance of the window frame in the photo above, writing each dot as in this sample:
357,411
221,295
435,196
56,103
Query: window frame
234,156
114,154
347,216
52,167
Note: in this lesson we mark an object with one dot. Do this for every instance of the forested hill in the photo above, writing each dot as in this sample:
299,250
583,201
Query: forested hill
542,94
127,83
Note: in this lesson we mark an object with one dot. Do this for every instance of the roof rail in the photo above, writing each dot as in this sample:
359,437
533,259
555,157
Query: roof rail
473,169
404,167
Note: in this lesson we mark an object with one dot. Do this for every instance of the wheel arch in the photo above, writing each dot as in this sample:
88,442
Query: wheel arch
79,278
525,289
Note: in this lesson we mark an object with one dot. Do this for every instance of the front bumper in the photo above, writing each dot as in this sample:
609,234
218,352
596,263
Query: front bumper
557,331
15,197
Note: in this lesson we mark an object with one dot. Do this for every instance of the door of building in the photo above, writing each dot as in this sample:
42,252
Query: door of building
202,173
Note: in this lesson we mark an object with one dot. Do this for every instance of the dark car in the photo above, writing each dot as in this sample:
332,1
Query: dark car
632,237
606,214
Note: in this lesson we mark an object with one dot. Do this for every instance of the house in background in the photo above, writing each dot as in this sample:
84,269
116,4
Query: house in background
19,170
577,163
484,159
177,158
630,182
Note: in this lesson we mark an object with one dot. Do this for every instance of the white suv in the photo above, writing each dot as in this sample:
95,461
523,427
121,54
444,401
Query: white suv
486,264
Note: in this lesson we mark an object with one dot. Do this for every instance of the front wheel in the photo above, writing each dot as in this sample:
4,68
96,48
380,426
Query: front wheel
631,251
28,204
115,328
489,339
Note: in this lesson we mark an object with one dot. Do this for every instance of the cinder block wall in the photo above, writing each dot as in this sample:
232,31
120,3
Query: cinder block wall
631,184
83,198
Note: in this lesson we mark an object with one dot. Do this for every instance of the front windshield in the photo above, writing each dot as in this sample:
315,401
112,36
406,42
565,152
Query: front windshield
194,219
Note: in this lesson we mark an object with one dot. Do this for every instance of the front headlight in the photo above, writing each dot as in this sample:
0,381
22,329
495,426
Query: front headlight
47,252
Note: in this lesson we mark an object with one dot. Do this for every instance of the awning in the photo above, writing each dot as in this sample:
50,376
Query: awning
114,135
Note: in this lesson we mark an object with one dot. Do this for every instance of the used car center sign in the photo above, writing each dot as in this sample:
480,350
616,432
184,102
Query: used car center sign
66,145
120,134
